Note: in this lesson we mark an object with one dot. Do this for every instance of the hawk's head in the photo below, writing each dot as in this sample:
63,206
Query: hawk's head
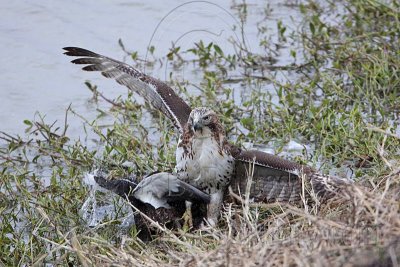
204,123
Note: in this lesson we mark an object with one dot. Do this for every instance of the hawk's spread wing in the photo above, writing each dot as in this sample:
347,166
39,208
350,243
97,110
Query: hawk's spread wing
266,160
277,179
154,91
273,178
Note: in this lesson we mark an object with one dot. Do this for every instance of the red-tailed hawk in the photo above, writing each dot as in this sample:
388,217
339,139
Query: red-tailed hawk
204,158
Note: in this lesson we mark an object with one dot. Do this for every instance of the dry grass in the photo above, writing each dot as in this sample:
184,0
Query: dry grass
359,227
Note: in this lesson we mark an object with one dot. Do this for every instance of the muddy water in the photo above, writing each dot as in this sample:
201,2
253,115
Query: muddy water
36,78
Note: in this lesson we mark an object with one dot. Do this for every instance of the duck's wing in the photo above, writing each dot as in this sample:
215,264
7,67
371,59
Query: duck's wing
162,188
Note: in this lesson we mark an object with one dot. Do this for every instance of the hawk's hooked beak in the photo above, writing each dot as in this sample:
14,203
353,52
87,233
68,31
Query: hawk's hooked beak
197,126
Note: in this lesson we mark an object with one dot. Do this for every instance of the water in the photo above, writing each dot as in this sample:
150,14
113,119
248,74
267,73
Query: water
38,79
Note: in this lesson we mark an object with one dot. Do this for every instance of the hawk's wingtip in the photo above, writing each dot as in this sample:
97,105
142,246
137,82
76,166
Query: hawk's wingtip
70,50
79,52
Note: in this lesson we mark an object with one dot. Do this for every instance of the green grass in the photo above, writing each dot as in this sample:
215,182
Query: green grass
341,98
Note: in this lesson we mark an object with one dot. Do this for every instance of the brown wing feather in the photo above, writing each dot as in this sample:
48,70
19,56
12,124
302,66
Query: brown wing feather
157,93
271,161
277,179
268,185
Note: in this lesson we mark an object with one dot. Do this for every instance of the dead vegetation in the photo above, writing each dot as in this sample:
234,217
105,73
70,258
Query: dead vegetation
358,227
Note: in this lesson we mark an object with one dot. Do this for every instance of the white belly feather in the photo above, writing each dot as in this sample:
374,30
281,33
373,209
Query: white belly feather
204,166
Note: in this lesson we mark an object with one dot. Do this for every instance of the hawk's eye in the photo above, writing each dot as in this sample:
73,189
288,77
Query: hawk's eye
206,118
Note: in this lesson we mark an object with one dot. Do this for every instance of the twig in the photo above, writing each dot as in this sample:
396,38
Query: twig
379,130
